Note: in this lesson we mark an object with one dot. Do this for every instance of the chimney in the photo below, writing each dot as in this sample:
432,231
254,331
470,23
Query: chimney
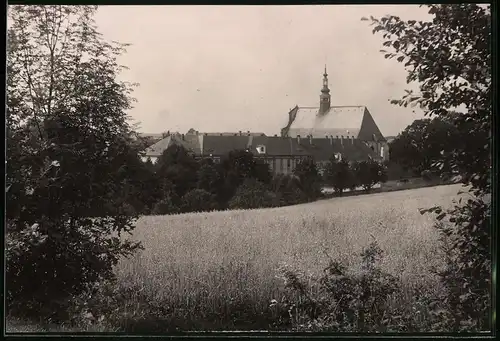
342,139
331,139
310,139
182,137
168,132
275,135
248,132
298,139
352,139
240,132
206,134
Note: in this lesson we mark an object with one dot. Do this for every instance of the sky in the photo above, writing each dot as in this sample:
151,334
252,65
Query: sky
240,68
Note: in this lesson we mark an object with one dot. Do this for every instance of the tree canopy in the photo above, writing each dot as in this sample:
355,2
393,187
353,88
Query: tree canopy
423,143
67,149
450,59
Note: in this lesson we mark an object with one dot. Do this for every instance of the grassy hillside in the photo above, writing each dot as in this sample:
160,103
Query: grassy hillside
211,268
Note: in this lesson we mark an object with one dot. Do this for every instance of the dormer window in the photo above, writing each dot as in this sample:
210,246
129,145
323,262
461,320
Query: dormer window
261,149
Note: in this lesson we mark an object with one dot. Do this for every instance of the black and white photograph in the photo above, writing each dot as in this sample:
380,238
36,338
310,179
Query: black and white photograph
255,169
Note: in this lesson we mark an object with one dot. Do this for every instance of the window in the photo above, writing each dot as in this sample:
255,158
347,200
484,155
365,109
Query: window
261,149
382,152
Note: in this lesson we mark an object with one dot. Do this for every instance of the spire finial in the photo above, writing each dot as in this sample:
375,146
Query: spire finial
325,71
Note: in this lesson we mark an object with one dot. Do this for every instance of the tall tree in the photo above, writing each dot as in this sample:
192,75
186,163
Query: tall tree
309,177
338,174
178,166
238,166
369,173
422,144
67,132
450,58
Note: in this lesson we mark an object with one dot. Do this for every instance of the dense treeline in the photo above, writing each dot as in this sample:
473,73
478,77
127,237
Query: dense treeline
179,183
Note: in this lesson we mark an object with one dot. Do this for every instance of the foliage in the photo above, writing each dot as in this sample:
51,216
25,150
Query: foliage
252,194
239,165
198,200
369,173
178,166
422,143
339,174
287,189
309,178
343,300
450,58
67,141
209,177
166,205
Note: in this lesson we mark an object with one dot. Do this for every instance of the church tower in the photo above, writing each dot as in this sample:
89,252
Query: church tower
324,98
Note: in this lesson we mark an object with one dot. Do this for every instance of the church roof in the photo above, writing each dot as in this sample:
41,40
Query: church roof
339,120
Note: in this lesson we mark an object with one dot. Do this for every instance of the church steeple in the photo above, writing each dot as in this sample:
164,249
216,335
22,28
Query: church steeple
324,98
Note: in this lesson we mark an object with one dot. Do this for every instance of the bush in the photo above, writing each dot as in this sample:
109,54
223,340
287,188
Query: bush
467,275
253,194
287,190
369,173
165,206
198,200
339,174
309,178
343,299
427,175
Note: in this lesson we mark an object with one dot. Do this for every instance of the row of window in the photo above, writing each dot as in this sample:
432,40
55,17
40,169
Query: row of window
283,165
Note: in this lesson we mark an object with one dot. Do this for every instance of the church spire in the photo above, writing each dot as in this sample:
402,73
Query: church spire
324,98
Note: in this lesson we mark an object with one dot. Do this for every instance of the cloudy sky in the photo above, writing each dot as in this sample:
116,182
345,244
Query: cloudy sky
231,68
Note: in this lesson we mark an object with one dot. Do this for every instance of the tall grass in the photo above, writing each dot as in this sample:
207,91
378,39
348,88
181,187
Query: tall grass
218,270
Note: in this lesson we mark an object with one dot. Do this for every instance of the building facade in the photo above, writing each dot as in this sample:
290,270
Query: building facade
281,153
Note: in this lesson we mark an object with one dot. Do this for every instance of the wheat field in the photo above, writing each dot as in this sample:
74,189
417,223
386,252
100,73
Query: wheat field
203,264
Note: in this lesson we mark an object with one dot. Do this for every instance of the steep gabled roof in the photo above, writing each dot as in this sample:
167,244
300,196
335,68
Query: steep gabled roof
339,120
157,149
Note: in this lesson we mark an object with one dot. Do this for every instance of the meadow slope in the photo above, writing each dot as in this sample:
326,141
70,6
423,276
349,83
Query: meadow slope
201,264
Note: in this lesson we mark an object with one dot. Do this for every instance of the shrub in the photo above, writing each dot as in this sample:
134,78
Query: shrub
467,275
309,178
369,173
198,200
343,299
165,206
253,194
426,175
287,190
339,175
